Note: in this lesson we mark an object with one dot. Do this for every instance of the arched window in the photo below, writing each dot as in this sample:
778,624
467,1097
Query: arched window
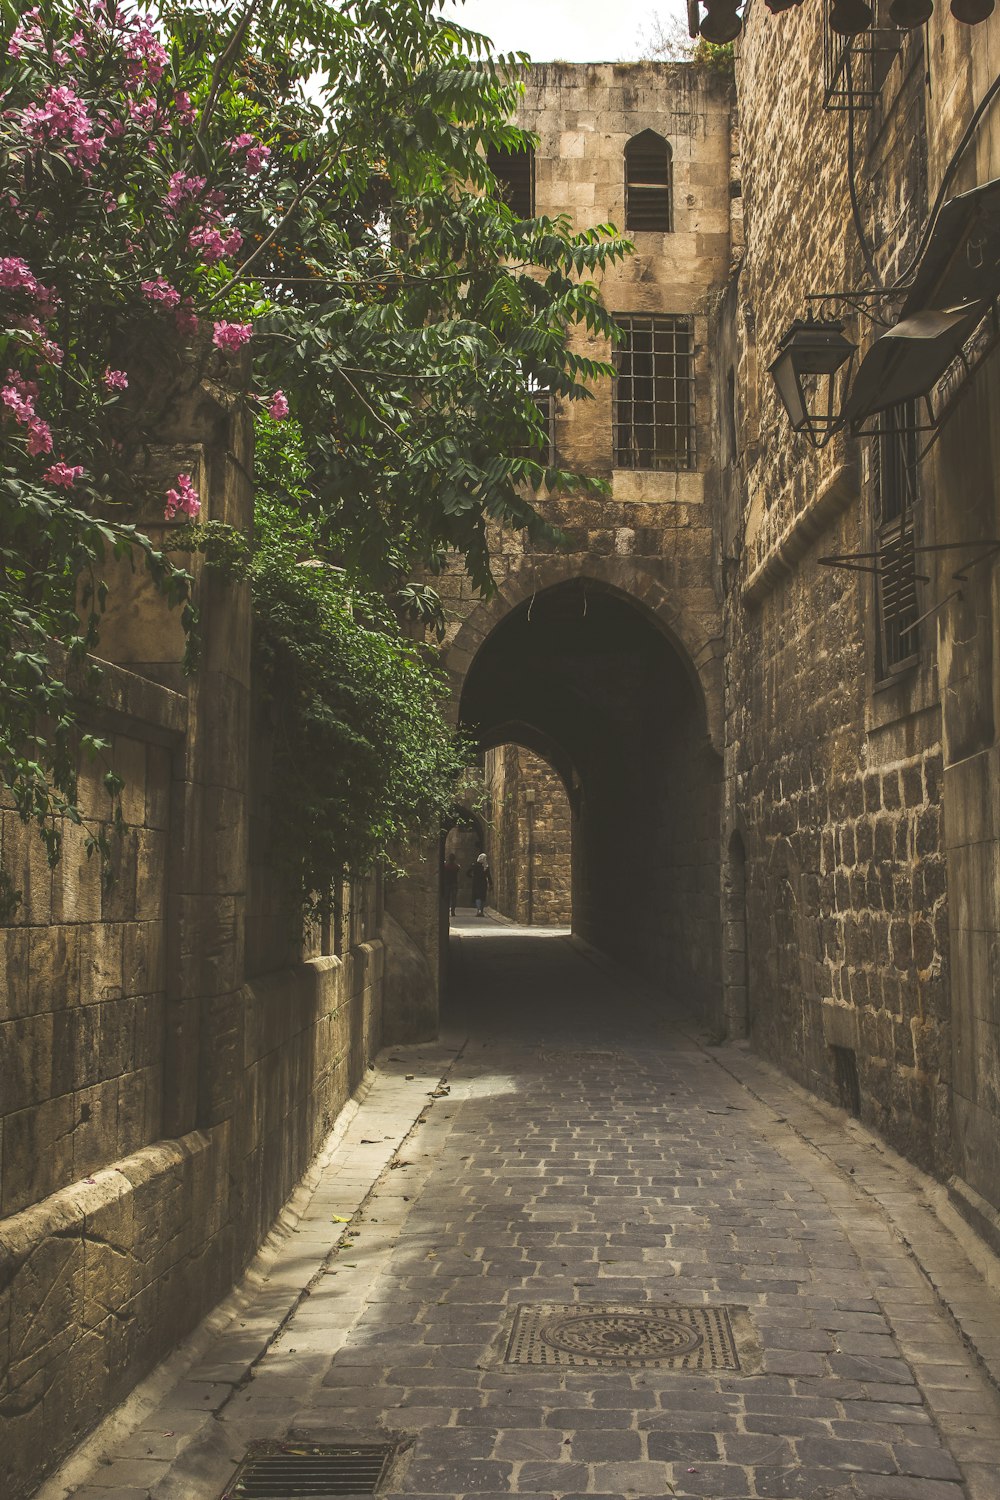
648,184
515,171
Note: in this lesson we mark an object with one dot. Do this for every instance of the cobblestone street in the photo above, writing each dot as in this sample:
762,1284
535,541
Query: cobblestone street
584,1149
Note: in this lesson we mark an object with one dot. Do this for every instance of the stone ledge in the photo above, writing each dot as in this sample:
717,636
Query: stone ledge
836,495
125,702
68,1211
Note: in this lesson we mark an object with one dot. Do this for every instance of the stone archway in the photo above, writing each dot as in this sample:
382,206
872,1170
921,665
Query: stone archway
691,633
620,686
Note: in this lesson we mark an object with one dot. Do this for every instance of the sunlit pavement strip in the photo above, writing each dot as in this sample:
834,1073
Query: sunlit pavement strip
592,1152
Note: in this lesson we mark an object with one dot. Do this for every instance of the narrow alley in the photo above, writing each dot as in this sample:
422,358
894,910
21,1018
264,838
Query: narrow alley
573,1249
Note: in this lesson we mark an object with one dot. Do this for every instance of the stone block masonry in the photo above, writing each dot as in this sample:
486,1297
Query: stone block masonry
529,838
164,1082
861,768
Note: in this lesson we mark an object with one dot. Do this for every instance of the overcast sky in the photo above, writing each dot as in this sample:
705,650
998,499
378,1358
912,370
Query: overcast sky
572,30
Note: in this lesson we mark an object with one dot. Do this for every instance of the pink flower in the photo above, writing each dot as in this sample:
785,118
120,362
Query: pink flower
256,153
115,380
149,117
161,291
27,33
47,348
62,116
185,317
183,499
185,109
231,336
213,244
18,395
183,187
146,56
39,437
277,407
64,475
15,275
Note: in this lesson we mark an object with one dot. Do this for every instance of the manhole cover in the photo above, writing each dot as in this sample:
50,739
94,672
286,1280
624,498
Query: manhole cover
288,1471
682,1338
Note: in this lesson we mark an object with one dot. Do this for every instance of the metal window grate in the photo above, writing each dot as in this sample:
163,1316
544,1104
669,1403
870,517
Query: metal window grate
654,393
515,171
648,184
855,68
291,1471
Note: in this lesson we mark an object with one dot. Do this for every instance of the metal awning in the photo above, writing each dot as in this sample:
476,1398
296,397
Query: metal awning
962,261
908,360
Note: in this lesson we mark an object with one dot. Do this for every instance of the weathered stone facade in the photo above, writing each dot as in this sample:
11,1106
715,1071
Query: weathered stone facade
529,838
168,1064
604,656
863,794
836,891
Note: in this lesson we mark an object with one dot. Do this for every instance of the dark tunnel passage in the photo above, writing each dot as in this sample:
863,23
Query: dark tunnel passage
585,676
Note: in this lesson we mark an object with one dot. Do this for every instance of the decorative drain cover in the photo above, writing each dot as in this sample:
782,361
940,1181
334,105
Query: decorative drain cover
288,1471
681,1338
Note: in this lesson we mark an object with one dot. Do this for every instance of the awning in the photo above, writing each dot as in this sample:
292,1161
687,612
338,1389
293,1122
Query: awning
962,261
908,360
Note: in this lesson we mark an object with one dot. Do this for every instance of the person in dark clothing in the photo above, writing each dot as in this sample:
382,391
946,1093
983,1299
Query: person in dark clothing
482,882
450,871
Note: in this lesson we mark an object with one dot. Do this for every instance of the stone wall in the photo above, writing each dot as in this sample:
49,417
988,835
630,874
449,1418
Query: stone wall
82,997
871,894
166,1077
529,838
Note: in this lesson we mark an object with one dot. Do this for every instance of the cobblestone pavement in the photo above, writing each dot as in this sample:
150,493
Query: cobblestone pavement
588,1149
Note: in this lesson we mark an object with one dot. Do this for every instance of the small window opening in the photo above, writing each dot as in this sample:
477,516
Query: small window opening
654,393
648,184
845,1072
895,486
515,172
543,452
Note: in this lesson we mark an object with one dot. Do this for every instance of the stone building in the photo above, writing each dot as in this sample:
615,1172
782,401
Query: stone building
765,667
861,783
604,656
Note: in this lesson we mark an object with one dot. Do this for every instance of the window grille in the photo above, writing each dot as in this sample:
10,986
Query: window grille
894,480
654,393
515,172
855,67
648,184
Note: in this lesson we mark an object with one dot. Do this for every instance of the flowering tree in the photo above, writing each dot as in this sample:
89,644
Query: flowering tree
301,184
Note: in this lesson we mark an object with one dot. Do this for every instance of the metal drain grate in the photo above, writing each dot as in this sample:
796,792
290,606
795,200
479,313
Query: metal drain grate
288,1471
680,1338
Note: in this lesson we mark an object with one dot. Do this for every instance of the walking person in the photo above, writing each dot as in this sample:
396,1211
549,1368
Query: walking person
482,882
450,871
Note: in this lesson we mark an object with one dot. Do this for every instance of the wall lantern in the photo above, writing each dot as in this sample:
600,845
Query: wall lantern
805,373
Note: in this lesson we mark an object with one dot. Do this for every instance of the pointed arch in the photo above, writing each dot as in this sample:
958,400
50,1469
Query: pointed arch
649,195
699,653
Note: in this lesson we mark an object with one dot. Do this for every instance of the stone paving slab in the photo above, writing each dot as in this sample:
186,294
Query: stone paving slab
593,1152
